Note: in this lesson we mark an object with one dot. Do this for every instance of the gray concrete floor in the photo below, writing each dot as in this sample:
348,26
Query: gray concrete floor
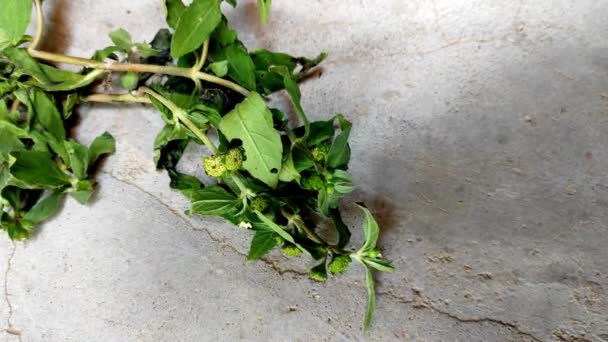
480,142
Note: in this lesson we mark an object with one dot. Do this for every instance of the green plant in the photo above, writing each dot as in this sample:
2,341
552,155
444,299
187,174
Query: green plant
270,177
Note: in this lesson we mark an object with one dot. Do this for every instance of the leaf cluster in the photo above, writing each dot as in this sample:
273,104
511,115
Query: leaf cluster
279,179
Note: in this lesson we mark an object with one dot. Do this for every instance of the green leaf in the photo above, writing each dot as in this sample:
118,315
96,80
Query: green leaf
293,90
129,80
264,6
223,35
103,144
14,20
371,298
342,229
371,230
195,25
83,196
68,105
220,69
214,200
288,170
264,60
251,122
45,208
122,39
47,114
240,66
184,182
61,80
379,264
173,11
320,131
342,182
36,169
25,64
262,243
79,158
339,153
280,231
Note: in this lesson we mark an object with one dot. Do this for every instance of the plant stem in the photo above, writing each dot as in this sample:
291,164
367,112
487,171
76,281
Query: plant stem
295,219
110,98
138,68
40,25
191,73
180,114
201,62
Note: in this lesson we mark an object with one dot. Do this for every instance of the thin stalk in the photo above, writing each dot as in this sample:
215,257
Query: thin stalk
181,116
138,68
295,219
111,98
39,25
204,54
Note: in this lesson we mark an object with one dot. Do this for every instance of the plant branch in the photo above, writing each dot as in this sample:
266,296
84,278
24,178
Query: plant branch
204,54
112,98
39,25
180,114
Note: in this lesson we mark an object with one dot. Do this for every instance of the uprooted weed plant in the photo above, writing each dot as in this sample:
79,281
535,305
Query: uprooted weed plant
272,177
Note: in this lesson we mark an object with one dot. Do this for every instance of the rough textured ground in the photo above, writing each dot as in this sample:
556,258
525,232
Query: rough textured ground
480,142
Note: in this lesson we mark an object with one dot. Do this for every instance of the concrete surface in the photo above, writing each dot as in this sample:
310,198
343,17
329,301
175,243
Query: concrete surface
480,142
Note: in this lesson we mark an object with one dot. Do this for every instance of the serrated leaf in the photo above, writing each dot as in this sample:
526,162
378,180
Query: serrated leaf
262,243
371,230
240,66
45,208
251,122
36,169
195,26
122,39
14,19
173,11
214,200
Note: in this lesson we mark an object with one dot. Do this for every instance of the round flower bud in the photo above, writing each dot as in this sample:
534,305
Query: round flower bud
339,264
234,159
290,250
214,166
258,204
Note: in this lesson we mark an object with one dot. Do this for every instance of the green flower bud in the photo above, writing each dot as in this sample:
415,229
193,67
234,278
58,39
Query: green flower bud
214,166
339,264
319,153
318,273
374,253
290,250
258,204
234,159
314,182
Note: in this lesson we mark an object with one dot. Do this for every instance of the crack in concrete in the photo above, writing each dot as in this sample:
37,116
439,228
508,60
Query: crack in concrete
221,242
422,302
10,328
